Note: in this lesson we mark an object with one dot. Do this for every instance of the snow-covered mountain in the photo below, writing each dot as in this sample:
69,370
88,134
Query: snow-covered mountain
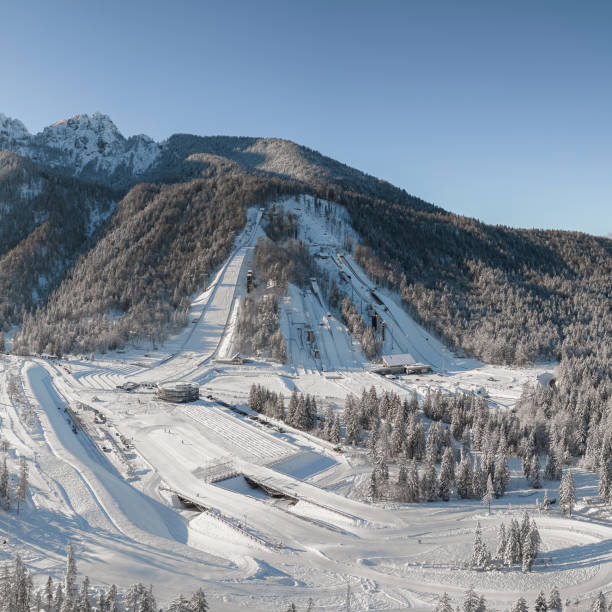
84,145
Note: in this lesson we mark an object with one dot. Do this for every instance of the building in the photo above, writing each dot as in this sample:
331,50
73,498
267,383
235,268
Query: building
402,363
401,359
178,392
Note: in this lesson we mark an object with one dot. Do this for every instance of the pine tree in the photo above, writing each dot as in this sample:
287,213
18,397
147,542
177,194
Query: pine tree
112,601
71,573
373,487
412,483
446,478
528,553
279,408
21,587
480,554
534,472
58,600
520,606
372,444
148,603
334,436
180,604
444,604
536,540
554,600
567,493
599,603
38,601
82,603
487,497
293,406
525,528
464,477
4,482
472,601
429,482
402,479
501,542
198,601
512,554
22,486
479,481
605,480
398,436
501,477
540,603
102,607
49,592
552,470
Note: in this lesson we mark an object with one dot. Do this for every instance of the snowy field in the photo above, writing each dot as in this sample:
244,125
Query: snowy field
112,487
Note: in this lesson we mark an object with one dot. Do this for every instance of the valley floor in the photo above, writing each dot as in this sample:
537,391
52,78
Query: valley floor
112,487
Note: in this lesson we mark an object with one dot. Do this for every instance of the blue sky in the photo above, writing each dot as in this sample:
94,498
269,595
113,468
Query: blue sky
497,110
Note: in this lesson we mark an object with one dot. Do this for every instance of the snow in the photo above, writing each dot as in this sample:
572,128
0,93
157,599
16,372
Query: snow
80,142
12,129
120,507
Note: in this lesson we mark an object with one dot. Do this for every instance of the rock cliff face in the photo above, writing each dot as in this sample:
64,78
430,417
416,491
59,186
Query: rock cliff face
89,146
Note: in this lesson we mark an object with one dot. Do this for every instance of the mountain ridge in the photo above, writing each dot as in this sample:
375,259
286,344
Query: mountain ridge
505,295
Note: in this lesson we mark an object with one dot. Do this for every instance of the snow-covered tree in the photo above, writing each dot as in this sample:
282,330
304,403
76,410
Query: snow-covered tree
20,593
464,477
5,483
534,473
479,480
198,601
112,600
22,485
429,481
501,542
373,487
481,558
528,553
520,605
102,607
472,602
599,603
71,573
446,478
58,599
82,603
554,600
180,604
501,477
552,470
412,483
512,554
540,604
488,494
444,604
605,480
334,433
48,596
567,493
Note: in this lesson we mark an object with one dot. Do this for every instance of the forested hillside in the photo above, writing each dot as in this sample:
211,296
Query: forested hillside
505,295
46,220
159,244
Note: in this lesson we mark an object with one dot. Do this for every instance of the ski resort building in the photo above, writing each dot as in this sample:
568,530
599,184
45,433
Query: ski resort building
401,359
178,392
402,363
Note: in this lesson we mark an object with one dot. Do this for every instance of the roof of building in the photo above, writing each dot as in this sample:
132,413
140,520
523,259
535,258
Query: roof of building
399,359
